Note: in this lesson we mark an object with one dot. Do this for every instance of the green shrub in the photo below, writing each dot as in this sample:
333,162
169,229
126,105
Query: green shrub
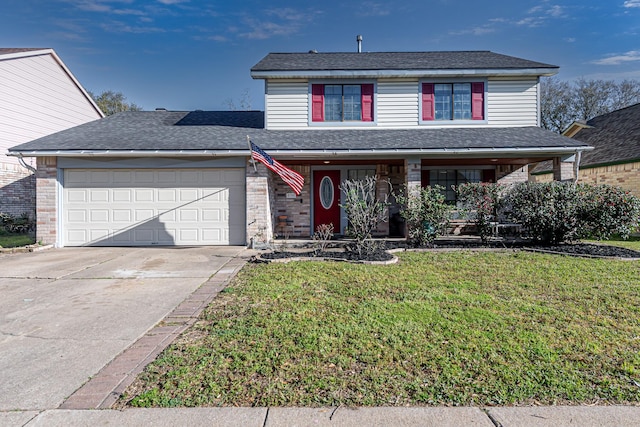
364,212
425,212
549,211
480,202
16,224
606,210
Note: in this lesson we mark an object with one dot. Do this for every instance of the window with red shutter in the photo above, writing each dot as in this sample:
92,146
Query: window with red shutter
342,102
457,101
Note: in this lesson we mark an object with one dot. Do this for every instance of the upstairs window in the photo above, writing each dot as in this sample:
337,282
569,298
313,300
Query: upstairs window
342,102
452,101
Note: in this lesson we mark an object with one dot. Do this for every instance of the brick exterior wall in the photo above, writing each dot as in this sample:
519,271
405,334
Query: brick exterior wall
17,190
297,210
46,200
512,174
626,176
563,171
259,188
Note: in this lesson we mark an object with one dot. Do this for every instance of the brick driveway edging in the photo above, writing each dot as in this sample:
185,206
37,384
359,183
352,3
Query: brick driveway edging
106,387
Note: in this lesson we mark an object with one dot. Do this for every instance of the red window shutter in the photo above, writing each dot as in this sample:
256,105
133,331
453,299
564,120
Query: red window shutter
477,101
317,103
367,102
427,101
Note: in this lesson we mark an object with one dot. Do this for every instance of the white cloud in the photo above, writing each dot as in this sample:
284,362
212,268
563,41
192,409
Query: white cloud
280,22
632,3
121,27
170,2
631,56
375,9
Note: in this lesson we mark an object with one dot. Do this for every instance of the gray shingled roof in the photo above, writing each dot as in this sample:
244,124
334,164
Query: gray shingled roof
615,136
9,50
213,130
454,60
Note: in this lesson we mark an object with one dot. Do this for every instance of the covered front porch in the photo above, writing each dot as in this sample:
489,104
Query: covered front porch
274,211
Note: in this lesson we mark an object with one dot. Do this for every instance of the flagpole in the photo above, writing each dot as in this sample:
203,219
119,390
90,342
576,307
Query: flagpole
253,161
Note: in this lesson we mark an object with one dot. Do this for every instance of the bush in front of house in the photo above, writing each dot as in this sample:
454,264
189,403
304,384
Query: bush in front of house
557,212
481,201
364,212
426,213
548,210
16,224
606,210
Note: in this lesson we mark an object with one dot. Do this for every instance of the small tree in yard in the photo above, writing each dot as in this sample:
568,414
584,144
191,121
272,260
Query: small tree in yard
481,202
425,212
364,212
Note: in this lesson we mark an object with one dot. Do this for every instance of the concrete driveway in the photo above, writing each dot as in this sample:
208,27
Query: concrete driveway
65,313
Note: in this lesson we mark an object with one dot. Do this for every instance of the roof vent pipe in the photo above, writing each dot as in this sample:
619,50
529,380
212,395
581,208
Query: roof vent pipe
359,40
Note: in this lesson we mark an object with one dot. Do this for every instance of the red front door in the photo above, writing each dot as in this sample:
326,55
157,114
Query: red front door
326,199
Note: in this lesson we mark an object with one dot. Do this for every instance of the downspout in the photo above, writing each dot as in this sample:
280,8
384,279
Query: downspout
576,166
24,164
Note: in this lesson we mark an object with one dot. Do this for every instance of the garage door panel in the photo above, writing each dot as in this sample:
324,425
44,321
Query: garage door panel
99,195
77,196
154,207
77,215
121,195
143,195
101,215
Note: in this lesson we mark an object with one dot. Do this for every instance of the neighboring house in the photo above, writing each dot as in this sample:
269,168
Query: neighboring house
184,178
615,159
38,96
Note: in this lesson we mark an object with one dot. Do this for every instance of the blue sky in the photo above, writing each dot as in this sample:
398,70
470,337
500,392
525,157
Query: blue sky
191,54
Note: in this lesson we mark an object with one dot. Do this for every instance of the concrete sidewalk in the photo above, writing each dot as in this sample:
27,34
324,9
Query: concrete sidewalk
554,416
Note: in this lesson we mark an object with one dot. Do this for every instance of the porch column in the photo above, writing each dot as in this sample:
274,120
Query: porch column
413,170
259,216
382,192
563,168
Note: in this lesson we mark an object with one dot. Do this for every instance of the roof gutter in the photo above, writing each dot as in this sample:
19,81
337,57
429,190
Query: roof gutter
312,154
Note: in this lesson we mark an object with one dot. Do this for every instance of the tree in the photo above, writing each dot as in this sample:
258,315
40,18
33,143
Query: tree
244,102
562,103
111,102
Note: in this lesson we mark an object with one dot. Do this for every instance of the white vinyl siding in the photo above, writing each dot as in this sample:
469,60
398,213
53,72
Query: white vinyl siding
132,207
38,98
508,102
397,103
287,104
512,102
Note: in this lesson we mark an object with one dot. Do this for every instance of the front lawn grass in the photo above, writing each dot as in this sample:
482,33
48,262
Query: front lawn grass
454,328
10,240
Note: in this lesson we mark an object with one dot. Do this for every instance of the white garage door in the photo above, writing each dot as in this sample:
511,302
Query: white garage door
131,207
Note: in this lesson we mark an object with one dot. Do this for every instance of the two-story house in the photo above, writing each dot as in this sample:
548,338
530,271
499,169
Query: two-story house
184,178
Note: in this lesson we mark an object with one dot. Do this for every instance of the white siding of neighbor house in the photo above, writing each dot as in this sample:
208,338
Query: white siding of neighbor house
38,98
397,103
287,104
512,102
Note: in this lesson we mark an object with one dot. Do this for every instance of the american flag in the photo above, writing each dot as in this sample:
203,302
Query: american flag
291,177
